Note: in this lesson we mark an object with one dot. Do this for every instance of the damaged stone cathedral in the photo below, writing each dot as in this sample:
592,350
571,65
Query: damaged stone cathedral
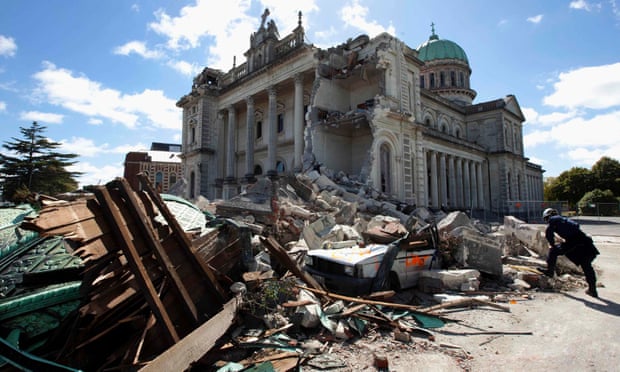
394,119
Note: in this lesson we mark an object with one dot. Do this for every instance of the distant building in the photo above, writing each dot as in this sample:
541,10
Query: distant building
397,119
162,164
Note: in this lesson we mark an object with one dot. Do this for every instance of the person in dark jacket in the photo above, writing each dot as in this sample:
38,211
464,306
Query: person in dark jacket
575,245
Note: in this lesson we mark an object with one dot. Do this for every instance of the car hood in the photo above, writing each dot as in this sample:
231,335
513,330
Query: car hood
350,256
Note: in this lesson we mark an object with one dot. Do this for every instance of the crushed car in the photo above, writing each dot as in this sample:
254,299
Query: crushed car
366,267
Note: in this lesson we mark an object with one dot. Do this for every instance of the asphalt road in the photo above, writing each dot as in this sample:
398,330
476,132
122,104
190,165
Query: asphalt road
570,331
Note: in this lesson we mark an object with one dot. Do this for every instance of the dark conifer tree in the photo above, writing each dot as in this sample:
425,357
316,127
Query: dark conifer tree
32,165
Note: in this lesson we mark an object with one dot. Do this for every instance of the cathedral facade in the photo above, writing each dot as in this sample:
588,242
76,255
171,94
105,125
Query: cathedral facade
399,120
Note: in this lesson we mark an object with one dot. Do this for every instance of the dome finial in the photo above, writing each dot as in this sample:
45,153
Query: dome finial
433,34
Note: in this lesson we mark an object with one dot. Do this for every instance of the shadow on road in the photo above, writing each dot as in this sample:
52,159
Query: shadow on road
595,222
607,306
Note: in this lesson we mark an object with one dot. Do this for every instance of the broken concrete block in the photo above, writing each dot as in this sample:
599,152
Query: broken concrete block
310,314
472,284
452,221
346,213
448,279
314,233
519,285
532,236
480,252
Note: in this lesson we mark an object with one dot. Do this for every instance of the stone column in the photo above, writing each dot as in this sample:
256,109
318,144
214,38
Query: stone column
452,182
272,132
249,149
459,178
467,191
480,185
298,122
443,179
230,144
474,184
434,181
230,186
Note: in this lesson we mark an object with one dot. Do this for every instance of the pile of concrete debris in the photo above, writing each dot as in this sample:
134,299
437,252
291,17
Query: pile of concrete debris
140,280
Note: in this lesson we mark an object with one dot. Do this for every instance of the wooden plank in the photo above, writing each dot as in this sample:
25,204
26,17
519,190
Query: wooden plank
181,236
64,214
124,240
282,256
195,345
155,245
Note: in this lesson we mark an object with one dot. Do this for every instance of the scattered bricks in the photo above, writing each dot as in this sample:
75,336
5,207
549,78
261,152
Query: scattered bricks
381,362
402,336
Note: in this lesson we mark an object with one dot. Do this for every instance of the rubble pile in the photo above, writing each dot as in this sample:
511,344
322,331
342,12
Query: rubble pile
270,278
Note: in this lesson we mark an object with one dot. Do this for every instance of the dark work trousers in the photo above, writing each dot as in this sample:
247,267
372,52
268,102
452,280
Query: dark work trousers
584,261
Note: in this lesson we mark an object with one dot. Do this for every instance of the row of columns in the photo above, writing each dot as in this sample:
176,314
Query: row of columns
272,133
455,182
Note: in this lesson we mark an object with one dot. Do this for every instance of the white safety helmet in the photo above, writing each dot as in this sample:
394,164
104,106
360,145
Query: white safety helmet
548,213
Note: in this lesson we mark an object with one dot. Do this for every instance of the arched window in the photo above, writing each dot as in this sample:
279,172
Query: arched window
258,170
509,191
159,181
280,166
385,174
442,79
281,122
422,85
452,78
457,133
432,80
259,129
192,185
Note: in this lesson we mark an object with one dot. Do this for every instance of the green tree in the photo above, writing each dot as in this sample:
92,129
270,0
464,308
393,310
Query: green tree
570,185
606,174
33,165
599,202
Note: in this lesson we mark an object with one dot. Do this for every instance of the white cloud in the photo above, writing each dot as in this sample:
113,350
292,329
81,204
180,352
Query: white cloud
536,138
585,157
82,146
355,15
596,87
580,4
228,28
78,93
185,68
44,117
96,175
585,128
535,19
94,121
87,147
139,48
124,149
532,117
2,106
7,46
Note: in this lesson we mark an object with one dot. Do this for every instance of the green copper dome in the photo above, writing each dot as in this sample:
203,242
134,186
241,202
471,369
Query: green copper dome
435,48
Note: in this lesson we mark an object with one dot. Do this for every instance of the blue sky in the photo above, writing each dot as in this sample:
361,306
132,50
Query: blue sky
104,76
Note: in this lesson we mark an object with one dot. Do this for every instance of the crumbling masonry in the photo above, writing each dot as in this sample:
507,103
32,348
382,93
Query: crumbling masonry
373,111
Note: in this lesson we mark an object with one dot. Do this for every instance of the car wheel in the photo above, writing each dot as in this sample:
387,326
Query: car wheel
393,282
